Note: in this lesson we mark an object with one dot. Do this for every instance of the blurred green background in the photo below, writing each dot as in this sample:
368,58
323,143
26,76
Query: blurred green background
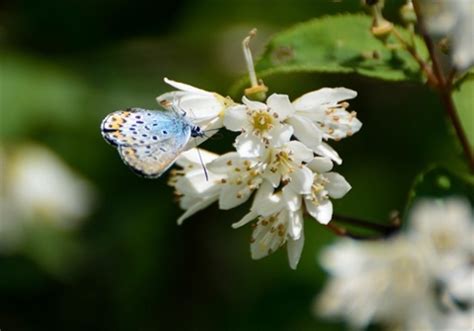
66,64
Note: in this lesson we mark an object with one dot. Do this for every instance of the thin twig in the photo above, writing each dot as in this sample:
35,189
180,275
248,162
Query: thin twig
379,227
444,90
343,232
423,65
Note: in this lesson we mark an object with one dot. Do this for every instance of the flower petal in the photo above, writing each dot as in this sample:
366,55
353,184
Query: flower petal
249,217
197,207
301,153
186,87
248,145
294,249
295,223
280,135
337,186
320,164
191,157
281,105
235,118
322,212
254,105
325,150
306,131
233,195
324,96
301,180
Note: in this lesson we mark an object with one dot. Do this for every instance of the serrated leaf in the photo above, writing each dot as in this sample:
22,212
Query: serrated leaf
337,44
464,101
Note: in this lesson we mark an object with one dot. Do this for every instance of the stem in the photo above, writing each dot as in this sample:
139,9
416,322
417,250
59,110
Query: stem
385,229
411,49
249,59
343,232
444,90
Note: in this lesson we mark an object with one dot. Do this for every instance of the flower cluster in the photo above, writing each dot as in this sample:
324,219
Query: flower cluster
281,158
418,280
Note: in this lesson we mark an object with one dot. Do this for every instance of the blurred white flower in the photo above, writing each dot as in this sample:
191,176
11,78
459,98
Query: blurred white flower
418,280
38,186
385,282
445,228
452,19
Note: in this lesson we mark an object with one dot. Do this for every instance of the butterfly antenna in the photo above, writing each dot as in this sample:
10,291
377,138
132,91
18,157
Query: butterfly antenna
202,163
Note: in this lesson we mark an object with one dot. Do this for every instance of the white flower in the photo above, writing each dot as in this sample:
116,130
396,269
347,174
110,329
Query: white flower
205,109
279,221
325,184
386,282
452,19
322,114
419,280
195,192
231,181
280,215
38,187
261,124
445,228
311,118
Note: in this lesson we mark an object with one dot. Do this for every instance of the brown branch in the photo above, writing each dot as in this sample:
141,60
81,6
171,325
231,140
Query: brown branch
385,229
444,90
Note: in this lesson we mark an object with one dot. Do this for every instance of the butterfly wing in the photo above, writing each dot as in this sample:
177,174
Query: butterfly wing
136,126
148,141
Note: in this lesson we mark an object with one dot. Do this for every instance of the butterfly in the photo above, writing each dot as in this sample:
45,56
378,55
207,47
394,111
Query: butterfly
149,141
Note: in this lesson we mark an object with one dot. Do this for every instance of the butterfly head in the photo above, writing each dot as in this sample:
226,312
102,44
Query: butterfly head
196,132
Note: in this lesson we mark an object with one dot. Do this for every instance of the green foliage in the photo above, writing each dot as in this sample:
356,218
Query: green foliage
437,182
464,99
338,44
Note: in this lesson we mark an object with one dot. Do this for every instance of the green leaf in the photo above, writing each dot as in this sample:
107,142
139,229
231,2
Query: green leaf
337,44
464,101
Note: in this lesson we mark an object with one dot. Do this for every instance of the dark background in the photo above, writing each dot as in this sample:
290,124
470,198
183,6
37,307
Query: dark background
66,64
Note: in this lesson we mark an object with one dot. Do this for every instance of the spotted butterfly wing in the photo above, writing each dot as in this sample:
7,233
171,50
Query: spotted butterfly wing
148,141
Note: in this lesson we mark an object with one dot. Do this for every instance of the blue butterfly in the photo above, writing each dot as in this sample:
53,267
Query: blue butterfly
149,141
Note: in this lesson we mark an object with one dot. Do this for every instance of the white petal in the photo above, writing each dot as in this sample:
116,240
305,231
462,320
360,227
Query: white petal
265,241
325,150
248,145
280,104
232,195
198,107
306,132
320,164
291,199
186,87
329,96
301,180
197,207
221,164
274,177
294,248
235,118
272,205
337,186
295,224
254,105
191,157
280,135
322,212
301,153
249,217
263,195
